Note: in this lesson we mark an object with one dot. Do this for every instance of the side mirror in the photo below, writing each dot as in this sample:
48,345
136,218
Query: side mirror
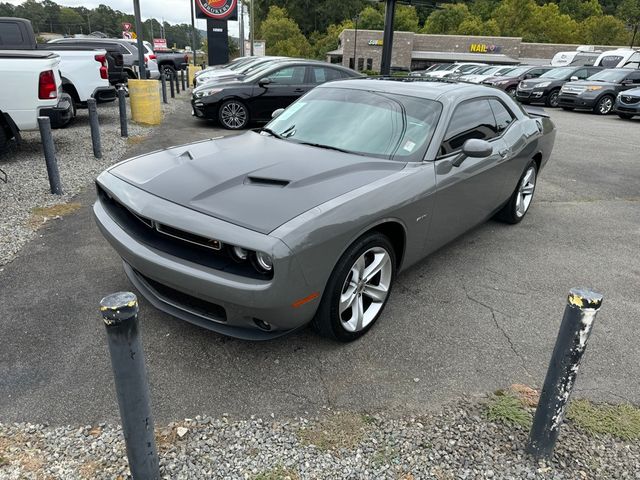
476,148
264,82
276,113
627,81
574,78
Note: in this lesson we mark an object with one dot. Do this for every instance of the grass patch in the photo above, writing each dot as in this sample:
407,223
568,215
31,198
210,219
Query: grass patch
278,473
505,408
384,456
342,430
621,421
3,461
40,215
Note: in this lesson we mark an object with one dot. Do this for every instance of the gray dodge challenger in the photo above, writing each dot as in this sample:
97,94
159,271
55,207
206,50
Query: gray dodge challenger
310,218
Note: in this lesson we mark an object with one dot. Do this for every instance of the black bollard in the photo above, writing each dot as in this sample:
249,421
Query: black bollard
44,124
95,127
183,80
122,104
120,314
163,86
579,315
177,80
172,87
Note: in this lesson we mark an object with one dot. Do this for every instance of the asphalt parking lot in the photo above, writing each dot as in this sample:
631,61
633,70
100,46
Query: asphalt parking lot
478,315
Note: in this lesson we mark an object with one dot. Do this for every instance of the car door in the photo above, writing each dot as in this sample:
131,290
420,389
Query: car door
286,84
632,80
466,195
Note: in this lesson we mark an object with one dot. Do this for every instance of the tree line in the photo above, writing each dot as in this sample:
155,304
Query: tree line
309,28
48,16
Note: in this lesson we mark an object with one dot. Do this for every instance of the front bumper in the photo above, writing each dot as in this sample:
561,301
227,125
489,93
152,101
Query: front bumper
214,299
531,96
577,101
62,113
202,109
628,108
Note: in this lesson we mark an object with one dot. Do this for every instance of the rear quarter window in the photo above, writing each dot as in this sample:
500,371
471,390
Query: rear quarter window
10,34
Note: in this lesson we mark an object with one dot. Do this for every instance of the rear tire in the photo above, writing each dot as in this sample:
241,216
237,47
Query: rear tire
168,70
518,205
358,289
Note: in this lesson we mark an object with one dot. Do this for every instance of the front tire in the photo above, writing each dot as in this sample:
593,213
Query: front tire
518,205
511,91
625,116
357,290
604,105
568,109
552,98
233,115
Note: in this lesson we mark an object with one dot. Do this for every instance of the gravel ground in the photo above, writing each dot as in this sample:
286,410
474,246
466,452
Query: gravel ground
28,185
454,443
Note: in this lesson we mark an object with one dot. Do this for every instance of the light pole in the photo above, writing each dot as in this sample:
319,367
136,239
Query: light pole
355,44
193,32
141,66
251,25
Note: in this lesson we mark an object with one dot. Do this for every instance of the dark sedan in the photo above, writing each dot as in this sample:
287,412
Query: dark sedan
546,88
254,98
599,92
509,82
310,218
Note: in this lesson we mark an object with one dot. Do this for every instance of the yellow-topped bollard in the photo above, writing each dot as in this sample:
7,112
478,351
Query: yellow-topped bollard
192,69
144,96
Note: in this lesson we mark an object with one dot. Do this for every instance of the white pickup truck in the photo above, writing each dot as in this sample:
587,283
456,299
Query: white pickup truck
84,71
33,87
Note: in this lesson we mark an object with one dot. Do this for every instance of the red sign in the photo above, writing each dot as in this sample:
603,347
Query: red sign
159,43
217,9
126,26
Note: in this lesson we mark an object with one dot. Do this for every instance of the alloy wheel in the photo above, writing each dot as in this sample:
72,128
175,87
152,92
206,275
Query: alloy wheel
233,115
553,99
365,289
525,191
605,105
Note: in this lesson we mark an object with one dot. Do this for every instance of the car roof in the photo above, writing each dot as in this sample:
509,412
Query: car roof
431,90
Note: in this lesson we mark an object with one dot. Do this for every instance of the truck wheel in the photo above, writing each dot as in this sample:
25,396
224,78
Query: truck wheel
4,140
604,105
233,115
168,70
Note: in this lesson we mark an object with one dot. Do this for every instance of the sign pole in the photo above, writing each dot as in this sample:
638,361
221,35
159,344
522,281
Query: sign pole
141,66
251,26
193,31
387,42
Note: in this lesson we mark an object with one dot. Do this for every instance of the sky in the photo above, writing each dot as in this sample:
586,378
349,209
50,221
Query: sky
172,11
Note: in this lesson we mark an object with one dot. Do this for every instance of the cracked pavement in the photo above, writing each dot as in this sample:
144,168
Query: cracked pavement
478,315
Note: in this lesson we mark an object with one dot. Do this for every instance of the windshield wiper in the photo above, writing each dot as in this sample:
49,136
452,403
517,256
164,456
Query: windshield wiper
328,147
269,131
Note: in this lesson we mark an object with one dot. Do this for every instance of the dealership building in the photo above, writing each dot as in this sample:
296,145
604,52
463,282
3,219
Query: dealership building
362,50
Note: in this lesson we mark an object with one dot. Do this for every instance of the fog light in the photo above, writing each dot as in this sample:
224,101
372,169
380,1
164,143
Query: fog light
264,261
262,324
240,253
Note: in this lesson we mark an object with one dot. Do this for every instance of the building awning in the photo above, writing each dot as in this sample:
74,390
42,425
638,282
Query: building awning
336,52
464,57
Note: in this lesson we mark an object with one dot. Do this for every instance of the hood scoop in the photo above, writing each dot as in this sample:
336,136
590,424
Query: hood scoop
269,182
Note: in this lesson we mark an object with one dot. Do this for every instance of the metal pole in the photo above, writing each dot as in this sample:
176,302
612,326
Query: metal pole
120,314
387,39
49,149
142,67
241,27
95,127
252,24
177,80
355,47
172,86
579,315
193,32
163,85
122,104
183,81
635,31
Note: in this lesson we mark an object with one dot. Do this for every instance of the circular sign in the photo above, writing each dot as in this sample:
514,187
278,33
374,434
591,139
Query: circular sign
218,9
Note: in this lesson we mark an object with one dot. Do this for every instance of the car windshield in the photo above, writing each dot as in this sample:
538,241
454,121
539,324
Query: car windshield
516,72
243,63
503,71
377,124
558,73
614,75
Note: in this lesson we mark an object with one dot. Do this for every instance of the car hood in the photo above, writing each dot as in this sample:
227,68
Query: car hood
255,181
587,83
532,82
223,82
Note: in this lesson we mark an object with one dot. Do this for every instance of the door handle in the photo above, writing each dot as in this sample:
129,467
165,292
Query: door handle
299,90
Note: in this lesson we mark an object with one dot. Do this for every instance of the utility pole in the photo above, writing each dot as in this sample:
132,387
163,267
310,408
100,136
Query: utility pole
89,22
241,27
193,32
252,24
355,46
141,65
387,39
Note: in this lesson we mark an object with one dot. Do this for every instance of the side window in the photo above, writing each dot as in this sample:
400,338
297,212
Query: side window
592,71
472,119
581,74
10,34
288,76
536,72
635,77
323,74
503,116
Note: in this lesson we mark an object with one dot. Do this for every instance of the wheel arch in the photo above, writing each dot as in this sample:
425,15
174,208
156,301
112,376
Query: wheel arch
391,228
69,87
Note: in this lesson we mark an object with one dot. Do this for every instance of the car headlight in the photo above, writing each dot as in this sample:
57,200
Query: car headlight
593,88
207,92
263,262
543,84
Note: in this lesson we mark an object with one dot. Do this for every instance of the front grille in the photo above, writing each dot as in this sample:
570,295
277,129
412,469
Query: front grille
523,94
628,99
179,243
185,301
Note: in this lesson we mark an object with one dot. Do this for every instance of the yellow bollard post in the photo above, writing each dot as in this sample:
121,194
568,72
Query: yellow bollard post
144,96
192,69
